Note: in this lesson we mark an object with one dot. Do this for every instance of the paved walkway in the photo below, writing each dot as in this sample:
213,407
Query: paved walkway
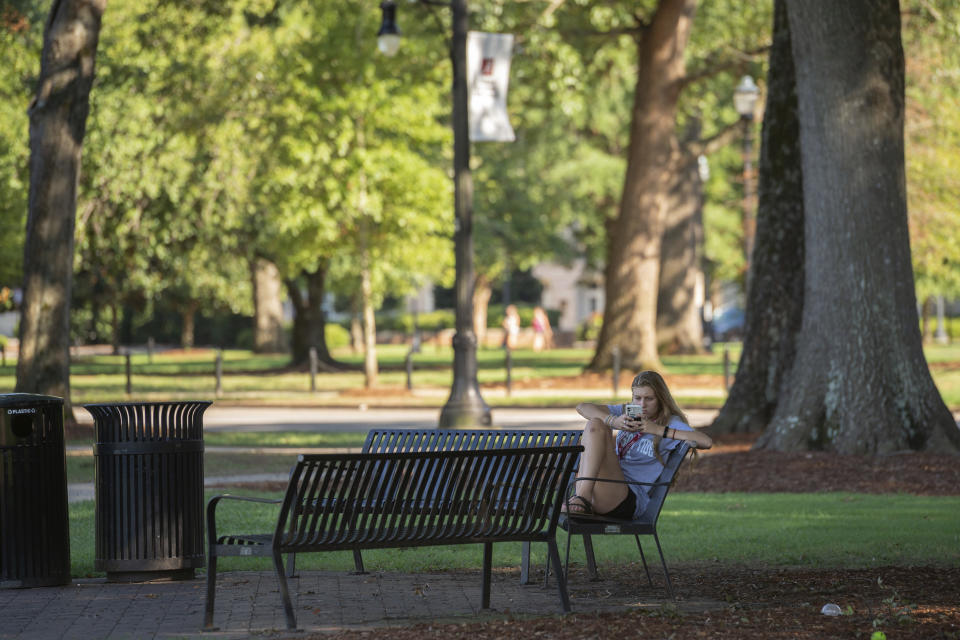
248,604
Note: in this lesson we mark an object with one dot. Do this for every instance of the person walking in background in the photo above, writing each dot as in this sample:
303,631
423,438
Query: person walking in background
511,326
542,333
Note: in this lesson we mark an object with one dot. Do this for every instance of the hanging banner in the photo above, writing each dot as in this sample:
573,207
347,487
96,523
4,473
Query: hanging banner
488,73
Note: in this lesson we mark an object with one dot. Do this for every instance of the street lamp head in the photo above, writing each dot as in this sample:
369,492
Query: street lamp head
745,97
388,38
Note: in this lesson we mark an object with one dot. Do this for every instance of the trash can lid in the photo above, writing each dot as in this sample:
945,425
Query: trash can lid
27,400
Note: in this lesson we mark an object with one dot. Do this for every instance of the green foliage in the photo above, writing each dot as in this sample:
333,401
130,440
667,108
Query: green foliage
20,43
336,336
932,49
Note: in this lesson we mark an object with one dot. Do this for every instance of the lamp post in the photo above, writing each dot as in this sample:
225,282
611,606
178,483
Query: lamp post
465,407
745,101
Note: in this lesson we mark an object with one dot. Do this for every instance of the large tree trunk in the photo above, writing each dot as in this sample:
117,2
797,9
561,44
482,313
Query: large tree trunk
859,382
632,271
775,296
680,296
310,320
58,118
268,336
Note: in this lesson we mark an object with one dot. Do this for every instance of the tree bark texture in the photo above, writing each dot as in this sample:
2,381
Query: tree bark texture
859,381
633,247
679,314
268,335
58,118
775,296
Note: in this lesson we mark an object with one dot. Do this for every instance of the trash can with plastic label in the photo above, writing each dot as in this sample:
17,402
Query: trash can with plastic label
148,484
34,523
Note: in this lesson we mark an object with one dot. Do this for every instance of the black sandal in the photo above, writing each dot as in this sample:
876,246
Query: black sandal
585,507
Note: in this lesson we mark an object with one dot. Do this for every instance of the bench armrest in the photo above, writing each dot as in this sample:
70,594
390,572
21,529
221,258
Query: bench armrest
212,508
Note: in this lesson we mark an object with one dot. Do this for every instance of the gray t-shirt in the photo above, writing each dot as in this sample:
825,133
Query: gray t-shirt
637,460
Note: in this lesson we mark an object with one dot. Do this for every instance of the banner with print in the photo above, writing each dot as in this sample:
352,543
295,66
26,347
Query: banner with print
488,74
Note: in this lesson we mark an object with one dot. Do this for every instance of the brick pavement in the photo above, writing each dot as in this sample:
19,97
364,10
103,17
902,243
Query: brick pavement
248,604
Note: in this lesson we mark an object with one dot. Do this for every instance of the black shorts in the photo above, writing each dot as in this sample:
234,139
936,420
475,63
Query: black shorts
624,510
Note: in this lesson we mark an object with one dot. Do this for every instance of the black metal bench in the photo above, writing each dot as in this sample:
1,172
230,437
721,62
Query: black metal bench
389,440
407,498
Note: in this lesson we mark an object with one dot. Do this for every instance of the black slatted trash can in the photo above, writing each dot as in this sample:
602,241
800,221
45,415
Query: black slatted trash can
34,524
148,484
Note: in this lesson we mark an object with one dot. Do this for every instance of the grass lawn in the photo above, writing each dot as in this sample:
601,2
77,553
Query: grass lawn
839,530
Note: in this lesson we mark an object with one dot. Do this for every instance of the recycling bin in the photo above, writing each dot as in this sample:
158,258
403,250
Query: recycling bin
148,486
34,524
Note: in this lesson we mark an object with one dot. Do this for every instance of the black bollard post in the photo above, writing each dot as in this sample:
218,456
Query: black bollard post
129,371
726,369
408,361
218,371
616,371
313,369
509,364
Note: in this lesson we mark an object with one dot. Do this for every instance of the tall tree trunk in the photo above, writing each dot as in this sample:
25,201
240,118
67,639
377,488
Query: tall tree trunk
859,382
356,327
679,300
268,336
58,120
188,332
775,296
370,368
310,320
633,254
482,291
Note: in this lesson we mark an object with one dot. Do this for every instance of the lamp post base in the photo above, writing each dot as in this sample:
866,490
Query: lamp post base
468,411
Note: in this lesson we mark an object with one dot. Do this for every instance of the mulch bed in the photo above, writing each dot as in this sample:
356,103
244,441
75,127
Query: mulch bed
903,603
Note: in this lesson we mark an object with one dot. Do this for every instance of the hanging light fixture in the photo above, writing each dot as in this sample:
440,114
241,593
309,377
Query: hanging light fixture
388,38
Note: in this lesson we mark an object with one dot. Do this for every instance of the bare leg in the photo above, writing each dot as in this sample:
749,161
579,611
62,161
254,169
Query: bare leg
599,460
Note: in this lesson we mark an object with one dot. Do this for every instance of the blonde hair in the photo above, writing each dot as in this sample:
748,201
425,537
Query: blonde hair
667,407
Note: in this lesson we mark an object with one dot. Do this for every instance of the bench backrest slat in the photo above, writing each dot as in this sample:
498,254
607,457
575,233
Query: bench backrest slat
390,440
406,497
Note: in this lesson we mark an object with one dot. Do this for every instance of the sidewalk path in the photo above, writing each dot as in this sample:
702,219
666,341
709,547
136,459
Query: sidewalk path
248,604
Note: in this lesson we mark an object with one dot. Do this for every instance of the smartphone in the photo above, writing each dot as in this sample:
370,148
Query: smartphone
633,411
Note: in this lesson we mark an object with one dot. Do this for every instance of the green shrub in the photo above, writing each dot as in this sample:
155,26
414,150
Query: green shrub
590,328
404,321
336,335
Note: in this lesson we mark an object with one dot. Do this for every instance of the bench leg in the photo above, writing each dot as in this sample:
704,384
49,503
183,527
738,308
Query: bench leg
554,554
487,563
211,591
358,562
291,564
284,591
525,563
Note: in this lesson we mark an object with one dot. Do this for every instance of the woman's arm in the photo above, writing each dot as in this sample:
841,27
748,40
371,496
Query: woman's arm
696,439
591,411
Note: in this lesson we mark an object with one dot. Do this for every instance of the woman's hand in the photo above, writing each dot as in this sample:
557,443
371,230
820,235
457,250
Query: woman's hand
631,425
